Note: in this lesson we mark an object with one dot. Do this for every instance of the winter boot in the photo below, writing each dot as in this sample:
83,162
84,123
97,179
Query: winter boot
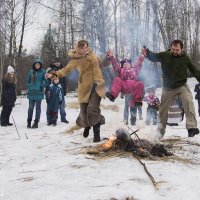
192,132
9,124
86,131
110,96
133,120
3,124
28,124
96,130
3,117
65,121
54,122
49,123
140,117
35,125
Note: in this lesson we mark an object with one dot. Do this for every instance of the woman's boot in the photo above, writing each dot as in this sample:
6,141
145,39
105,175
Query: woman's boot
28,123
86,131
96,130
35,125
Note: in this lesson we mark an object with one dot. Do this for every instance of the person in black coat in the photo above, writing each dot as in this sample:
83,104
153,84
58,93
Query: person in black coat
54,98
197,96
8,96
63,81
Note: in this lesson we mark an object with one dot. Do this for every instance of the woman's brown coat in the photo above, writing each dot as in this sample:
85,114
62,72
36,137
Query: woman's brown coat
89,74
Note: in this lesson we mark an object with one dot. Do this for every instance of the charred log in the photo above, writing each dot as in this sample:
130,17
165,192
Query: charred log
139,147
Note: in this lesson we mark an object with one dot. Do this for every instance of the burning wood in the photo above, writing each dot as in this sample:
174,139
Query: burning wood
121,140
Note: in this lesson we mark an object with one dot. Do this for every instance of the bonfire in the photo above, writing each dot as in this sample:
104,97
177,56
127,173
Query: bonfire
122,140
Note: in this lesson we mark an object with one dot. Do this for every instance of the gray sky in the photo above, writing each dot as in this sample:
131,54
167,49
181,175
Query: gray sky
35,32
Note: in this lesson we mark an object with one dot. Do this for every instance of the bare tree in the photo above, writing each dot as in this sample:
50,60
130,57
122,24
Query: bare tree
96,22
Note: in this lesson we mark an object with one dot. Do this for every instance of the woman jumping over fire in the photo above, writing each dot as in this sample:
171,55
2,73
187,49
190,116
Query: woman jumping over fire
126,79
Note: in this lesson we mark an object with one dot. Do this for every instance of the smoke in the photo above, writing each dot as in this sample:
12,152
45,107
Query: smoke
150,74
135,31
73,76
109,75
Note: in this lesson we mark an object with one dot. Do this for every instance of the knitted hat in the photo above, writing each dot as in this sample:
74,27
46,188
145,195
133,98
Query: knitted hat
124,61
152,90
10,69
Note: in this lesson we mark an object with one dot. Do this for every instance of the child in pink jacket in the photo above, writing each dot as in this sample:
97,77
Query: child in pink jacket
126,79
153,103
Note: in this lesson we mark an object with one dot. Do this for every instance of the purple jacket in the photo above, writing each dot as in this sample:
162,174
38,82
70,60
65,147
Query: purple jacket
127,74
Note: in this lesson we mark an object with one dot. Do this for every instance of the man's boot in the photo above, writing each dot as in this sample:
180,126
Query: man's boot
35,125
160,131
28,123
192,132
86,131
96,130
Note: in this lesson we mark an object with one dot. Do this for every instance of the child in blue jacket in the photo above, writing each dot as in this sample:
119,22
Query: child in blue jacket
54,97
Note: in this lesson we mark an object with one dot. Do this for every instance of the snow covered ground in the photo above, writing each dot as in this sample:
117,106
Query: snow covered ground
49,165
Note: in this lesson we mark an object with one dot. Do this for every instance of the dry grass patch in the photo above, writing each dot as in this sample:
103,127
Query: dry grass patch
72,129
73,105
114,108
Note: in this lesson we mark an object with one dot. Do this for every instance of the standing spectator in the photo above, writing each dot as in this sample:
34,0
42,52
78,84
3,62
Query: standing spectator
63,81
91,87
54,97
36,83
128,98
197,96
175,63
152,109
8,96
133,110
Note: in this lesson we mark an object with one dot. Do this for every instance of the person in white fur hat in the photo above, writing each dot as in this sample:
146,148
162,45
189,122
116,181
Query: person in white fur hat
10,70
8,96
